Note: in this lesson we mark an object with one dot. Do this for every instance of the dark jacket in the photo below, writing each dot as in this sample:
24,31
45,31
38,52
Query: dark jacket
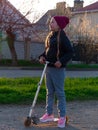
65,49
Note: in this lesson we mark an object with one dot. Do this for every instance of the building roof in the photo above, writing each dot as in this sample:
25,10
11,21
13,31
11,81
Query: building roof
21,26
90,7
8,9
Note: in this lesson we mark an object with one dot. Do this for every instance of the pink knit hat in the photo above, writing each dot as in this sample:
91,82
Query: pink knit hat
62,21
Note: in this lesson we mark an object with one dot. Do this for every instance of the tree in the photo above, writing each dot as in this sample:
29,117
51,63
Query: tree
84,37
10,41
12,21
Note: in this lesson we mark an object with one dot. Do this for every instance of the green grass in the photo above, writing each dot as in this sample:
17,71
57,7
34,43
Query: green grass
81,89
22,90
94,66
21,63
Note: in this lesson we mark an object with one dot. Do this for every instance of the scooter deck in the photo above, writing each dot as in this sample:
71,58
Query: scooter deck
49,123
56,119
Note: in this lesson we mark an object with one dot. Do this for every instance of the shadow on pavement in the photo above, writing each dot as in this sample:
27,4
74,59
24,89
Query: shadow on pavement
52,126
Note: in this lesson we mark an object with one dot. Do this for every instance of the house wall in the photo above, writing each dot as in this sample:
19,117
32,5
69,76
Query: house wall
90,17
35,50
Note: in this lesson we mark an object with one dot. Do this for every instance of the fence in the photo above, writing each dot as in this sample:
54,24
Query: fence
28,51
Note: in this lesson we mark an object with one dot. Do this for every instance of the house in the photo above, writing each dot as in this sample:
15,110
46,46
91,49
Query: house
61,9
84,23
89,16
25,32
10,16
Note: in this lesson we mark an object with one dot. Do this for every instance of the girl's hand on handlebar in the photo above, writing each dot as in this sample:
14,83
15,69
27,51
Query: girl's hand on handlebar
42,60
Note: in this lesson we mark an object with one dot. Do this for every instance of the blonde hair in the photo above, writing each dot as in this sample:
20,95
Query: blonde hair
47,43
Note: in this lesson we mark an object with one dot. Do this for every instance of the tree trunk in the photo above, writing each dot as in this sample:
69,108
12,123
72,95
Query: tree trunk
27,49
10,41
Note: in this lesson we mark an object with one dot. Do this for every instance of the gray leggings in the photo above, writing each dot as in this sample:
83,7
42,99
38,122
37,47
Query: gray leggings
55,86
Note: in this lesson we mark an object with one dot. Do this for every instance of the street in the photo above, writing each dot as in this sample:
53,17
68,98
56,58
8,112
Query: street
13,73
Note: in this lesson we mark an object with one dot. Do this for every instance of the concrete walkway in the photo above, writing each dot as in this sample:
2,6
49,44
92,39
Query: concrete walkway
13,73
82,116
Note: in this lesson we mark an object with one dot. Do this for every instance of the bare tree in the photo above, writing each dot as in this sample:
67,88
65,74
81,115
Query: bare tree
10,41
12,21
84,37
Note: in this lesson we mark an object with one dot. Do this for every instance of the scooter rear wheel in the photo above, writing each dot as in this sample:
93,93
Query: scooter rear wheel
27,122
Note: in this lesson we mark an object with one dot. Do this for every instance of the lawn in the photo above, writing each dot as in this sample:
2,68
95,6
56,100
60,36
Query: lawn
22,90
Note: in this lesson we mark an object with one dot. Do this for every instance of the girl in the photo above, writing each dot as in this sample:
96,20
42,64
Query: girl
58,51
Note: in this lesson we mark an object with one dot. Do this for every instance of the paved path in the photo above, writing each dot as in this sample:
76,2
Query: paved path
35,73
82,116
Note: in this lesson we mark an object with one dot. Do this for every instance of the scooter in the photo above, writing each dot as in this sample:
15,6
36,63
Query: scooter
32,118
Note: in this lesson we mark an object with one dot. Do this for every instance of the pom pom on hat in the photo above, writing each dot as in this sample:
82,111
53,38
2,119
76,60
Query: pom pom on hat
62,21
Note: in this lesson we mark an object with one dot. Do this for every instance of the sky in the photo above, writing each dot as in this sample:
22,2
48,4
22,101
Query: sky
39,7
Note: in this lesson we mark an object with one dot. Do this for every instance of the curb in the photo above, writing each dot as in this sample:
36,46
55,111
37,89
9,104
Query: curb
21,68
82,69
41,68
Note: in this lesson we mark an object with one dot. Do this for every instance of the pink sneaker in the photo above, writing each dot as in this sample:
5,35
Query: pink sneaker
46,118
61,122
